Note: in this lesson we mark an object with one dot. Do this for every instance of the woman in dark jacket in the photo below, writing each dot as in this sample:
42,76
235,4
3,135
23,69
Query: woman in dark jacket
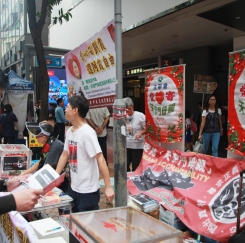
7,120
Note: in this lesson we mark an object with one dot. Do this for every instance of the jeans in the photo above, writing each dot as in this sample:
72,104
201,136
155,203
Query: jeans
214,137
84,201
103,146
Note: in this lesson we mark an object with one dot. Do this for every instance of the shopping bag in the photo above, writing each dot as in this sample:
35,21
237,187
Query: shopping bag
198,147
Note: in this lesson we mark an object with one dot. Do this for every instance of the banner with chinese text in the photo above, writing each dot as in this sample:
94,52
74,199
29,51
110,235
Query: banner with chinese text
164,91
91,68
236,103
15,229
201,190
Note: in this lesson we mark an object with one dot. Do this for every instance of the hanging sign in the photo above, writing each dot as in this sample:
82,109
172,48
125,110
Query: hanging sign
204,84
164,103
236,103
91,68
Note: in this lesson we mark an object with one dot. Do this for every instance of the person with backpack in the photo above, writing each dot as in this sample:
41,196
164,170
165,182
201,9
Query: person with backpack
188,131
211,126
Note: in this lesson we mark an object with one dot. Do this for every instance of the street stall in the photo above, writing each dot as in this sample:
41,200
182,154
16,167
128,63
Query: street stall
20,94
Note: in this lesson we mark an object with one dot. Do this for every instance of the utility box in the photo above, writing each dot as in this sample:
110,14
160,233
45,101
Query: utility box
120,225
15,158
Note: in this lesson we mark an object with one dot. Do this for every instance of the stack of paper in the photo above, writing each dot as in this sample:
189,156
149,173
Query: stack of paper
147,203
46,226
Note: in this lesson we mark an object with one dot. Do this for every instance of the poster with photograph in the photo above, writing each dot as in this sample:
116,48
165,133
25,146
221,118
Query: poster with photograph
15,163
204,84
91,68
57,85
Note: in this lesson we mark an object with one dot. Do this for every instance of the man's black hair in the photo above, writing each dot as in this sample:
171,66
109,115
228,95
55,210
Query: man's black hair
59,100
4,80
81,103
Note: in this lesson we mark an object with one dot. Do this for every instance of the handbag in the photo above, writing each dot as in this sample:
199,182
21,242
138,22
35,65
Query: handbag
198,147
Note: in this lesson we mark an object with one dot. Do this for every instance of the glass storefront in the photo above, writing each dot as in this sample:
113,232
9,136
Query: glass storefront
12,23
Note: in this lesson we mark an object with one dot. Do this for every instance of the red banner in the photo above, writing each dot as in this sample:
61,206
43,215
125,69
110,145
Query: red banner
164,104
236,103
201,190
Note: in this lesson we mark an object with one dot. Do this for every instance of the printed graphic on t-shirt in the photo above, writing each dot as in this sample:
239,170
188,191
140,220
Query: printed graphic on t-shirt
129,128
72,147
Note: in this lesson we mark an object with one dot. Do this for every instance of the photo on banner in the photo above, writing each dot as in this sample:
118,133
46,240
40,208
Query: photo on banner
164,91
236,103
91,68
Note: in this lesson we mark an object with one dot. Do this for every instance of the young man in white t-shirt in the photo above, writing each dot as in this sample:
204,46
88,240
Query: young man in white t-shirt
85,157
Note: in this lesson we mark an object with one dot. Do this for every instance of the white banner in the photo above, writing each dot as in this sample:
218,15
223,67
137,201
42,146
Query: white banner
19,104
91,68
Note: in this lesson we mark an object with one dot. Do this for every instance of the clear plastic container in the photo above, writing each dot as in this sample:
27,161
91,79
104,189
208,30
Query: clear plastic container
120,225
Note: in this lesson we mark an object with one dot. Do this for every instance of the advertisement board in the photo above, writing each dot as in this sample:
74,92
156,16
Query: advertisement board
57,85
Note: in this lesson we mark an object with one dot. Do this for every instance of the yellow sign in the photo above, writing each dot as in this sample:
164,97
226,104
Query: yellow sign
33,141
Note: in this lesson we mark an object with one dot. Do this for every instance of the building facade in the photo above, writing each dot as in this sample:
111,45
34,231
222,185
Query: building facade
195,32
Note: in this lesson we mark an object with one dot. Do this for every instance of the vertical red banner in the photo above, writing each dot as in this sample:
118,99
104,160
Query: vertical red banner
164,91
236,103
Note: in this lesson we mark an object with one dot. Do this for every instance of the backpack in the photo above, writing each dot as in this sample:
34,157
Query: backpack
193,126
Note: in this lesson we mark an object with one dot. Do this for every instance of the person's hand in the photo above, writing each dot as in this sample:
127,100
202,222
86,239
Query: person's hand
200,137
109,194
221,132
138,136
100,130
14,182
26,199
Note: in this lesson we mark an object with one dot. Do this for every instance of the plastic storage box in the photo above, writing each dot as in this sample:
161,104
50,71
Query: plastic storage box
120,225
15,158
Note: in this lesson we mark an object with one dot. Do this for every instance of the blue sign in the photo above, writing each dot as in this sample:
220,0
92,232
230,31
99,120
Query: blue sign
52,62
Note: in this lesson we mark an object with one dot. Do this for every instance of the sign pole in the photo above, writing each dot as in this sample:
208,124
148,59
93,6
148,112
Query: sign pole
119,121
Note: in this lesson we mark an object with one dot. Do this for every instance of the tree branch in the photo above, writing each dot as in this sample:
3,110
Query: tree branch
31,9
43,14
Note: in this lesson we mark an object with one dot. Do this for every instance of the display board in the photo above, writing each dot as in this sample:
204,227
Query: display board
57,85
236,103
91,68
164,106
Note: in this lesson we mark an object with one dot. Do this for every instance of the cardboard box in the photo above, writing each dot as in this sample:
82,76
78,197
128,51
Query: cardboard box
170,218
15,158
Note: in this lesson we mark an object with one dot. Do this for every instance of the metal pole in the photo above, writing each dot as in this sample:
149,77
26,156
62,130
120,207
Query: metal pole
119,121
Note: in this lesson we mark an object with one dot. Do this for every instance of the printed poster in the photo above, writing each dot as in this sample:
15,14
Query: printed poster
204,84
91,68
236,103
164,104
201,190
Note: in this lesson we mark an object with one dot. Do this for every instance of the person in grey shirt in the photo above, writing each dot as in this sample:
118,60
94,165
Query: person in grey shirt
135,134
98,119
52,148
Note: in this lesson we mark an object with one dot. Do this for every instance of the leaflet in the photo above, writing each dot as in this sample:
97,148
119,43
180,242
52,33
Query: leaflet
46,178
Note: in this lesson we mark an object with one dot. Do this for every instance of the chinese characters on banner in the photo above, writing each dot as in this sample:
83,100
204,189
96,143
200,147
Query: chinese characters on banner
91,68
164,103
236,103
201,190
14,228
